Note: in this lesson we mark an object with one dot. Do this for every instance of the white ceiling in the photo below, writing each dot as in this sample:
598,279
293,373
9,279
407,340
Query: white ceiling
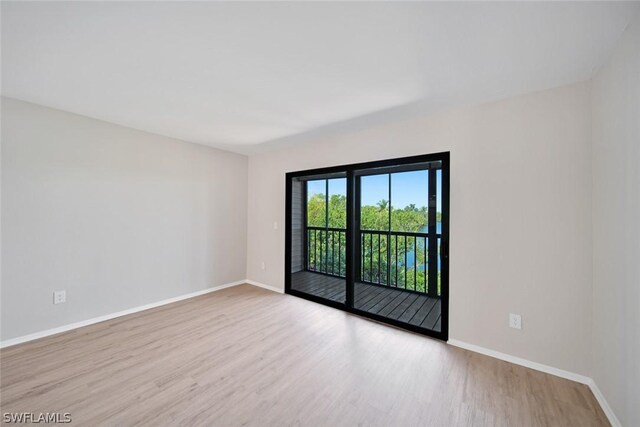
253,76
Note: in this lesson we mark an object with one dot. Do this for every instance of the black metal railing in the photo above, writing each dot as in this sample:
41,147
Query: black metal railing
398,259
326,250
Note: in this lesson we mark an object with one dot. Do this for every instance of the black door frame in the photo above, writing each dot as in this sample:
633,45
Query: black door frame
352,232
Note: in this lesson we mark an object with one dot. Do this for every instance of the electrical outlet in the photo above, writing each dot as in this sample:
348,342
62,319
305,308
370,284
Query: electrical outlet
263,266
515,321
275,225
59,297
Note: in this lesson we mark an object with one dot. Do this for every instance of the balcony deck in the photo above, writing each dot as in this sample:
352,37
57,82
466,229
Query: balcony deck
398,304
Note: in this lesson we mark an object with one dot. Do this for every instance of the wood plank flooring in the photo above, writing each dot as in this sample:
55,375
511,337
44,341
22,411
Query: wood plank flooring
408,307
247,356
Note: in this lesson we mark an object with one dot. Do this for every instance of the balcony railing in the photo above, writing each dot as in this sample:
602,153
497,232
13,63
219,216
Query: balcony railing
326,250
395,259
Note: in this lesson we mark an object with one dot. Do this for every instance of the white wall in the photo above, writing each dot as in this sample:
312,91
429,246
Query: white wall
117,217
520,216
616,227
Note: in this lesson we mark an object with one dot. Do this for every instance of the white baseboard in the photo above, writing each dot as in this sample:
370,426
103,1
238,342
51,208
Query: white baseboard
522,362
615,422
65,328
546,369
262,285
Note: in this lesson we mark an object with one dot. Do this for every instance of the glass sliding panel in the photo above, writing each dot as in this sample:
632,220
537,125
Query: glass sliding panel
374,225
323,233
338,203
374,196
395,236
316,203
409,201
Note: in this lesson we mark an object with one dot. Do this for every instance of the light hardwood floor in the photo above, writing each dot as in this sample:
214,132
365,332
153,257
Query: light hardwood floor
247,356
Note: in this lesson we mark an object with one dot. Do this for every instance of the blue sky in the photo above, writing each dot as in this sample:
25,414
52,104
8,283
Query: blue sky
406,188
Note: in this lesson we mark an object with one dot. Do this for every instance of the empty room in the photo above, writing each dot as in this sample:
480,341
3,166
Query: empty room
320,213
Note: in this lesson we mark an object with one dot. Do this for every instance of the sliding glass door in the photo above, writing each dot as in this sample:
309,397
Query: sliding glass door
372,239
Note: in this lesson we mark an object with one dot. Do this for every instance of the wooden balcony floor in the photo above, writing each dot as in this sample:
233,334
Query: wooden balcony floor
408,307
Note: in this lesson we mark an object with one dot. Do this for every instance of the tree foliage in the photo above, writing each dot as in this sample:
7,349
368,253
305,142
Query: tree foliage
410,218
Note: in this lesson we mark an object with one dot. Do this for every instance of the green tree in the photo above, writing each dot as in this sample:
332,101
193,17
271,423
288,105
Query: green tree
337,211
316,211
